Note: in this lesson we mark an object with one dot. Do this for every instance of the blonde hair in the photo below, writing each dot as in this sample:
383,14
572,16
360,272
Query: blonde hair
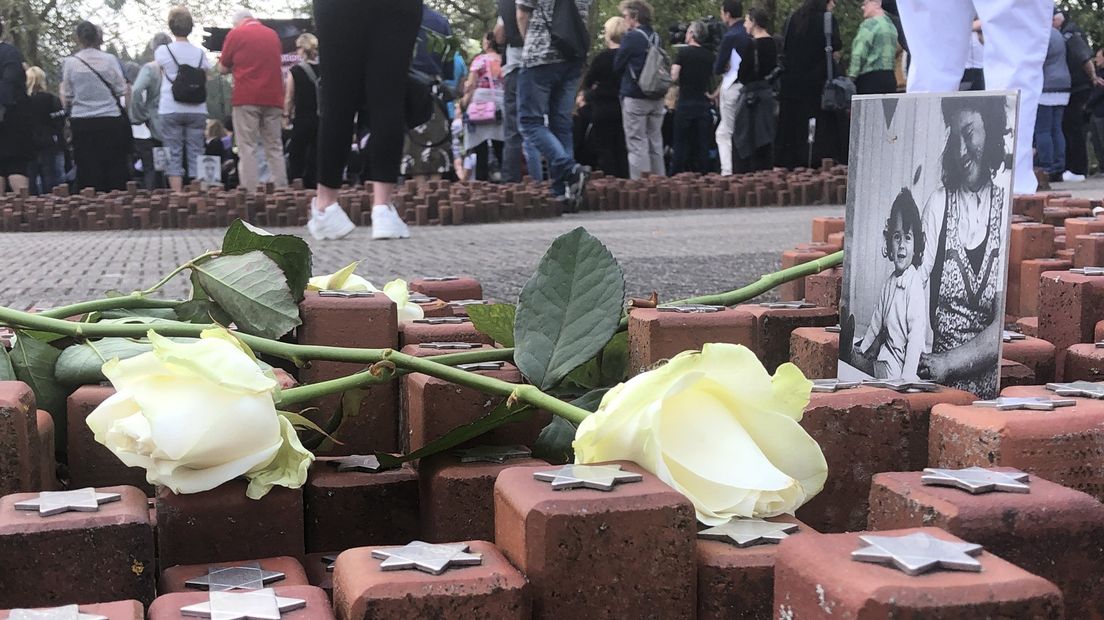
215,130
614,29
309,44
36,80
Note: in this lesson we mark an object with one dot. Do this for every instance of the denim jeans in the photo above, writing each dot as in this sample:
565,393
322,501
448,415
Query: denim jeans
46,171
183,135
1050,143
550,90
693,133
515,144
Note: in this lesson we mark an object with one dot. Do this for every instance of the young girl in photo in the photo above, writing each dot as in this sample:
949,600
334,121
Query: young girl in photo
895,338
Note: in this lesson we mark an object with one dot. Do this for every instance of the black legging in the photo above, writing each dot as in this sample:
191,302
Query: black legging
101,152
364,51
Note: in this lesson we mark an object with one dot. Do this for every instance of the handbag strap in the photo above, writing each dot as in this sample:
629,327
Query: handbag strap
106,84
169,50
828,42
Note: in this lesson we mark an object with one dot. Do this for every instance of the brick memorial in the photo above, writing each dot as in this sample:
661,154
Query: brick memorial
250,574
1084,362
288,603
1070,305
487,586
96,544
1049,530
774,322
657,334
440,329
115,610
92,464
1036,354
18,424
341,492
584,550
448,288
815,350
816,577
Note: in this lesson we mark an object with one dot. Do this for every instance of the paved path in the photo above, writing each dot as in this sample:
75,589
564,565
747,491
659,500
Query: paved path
677,253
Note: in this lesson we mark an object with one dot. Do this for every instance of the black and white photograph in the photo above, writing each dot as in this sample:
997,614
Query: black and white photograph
928,225
160,158
210,169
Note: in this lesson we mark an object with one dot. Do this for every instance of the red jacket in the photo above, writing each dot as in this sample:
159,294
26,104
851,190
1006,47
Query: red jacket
252,52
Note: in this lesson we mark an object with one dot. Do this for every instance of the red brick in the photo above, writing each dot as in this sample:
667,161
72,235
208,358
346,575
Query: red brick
794,290
464,287
338,504
47,469
1028,325
1054,532
1030,273
223,525
317,573
367,322
837,239
1088,251
18,420
656,336
457,499
1015,373
77,557
1070,305
173,578
91,463
116,610
737,583
167,606
418,332
1029,241
493,589
1030,206
1077,226
774,326
585,550
824,288
1084,362
815,577
1036,354
824,226
815,351
1061,445
1098,332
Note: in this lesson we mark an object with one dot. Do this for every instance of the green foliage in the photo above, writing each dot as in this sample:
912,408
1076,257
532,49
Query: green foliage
251,288
82,363
291,253
494,320
500,415
7,373
569,308
33,362
554,441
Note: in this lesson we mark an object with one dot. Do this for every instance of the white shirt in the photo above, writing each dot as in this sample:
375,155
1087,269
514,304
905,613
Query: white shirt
901,315
186,54
733,68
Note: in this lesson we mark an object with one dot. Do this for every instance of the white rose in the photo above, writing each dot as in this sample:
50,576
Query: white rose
717,428
195,415
346,280
400,294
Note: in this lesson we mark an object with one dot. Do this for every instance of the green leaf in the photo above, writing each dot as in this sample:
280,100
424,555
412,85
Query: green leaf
290,253
590,400
497,417
33,362
7,373
584,378
569,309
554,442
494,320
202,311
83,363
252,290
615,360
141,313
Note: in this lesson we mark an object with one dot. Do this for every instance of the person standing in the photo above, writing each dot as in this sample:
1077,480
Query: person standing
1094,108
546,88
874,51
483,98
145,101
1082,79
251,53
693,123
15,130
47,121
756,124
364,56
427,151
301,111
514,146
182,122
601,86
1050,144
641,114
1016,34
734,44
94,91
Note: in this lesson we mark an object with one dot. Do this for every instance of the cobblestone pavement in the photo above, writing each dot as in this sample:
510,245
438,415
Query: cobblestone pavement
677,253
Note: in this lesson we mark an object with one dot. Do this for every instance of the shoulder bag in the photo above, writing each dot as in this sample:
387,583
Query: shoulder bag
838,90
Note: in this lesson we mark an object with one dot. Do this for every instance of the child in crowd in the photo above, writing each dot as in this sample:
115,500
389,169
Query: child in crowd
898,325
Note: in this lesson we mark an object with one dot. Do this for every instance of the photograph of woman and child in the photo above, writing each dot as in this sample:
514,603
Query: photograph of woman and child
928,210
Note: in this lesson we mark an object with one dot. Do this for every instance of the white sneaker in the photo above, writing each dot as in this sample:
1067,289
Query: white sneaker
1070,177
330,223
386,223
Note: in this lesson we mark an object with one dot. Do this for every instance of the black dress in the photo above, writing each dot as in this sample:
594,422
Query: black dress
302,147
605,140
15,128
799,99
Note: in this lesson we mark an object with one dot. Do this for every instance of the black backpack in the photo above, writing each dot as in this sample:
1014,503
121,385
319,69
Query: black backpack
190,85
568,31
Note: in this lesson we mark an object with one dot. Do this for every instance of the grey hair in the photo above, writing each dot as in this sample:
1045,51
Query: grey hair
239,14
697,29
159,39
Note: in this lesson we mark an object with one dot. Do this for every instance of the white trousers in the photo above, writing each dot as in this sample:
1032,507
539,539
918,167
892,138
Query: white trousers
1016,33
727,126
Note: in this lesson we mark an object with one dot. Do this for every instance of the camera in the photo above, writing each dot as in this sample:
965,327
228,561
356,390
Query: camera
714,31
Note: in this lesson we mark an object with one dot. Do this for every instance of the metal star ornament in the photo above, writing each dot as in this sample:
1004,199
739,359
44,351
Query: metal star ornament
1086,389
260,604
443,320
367,463
833,329
900,385
492,454
426,557
346,294
460,303
691,309
1029,403
833,385
482,366
245,577
918,553
1009,336
1089,271
1100,345
977,480
440,278
450,346
329,560
787,305
65,612
56,502
749,532
598,477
